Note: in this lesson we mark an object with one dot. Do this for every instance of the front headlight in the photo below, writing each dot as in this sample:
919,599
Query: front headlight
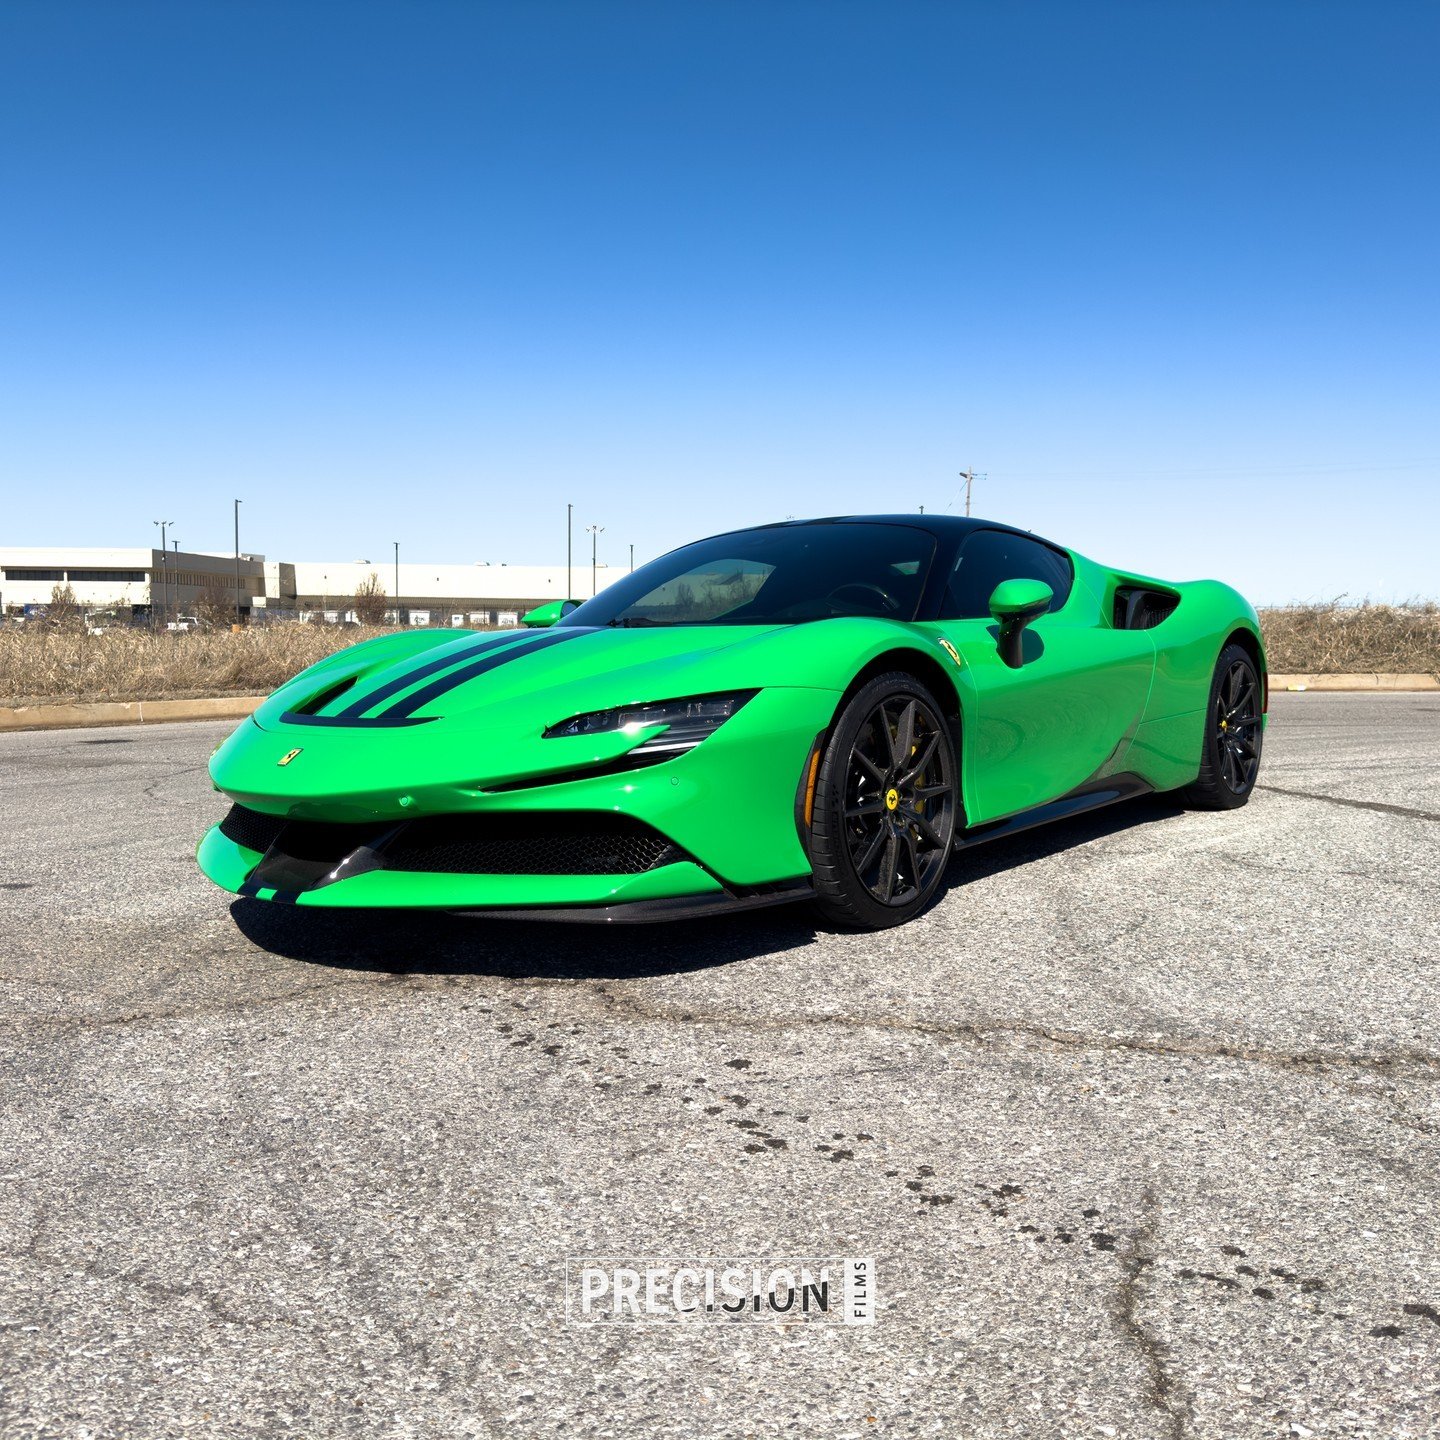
686,722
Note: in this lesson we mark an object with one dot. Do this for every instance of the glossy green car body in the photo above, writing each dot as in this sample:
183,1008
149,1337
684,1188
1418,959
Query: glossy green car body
440,738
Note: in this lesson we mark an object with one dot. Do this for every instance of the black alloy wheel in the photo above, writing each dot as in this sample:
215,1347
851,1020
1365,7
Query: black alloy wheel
1230,754
884,818
1237,723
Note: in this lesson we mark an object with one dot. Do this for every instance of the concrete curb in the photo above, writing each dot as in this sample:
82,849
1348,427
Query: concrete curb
1387,683
127,712
237,707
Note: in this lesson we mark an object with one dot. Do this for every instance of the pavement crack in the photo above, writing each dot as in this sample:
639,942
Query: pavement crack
148,790
1136,1259
162,1290
1188,1047
1377,805
636,1007
160,1016
1417,1123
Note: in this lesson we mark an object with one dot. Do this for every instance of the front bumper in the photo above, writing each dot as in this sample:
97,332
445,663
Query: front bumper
725,812
678,890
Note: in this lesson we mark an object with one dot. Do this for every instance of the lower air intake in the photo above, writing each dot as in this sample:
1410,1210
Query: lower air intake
530,845
512,844
251,829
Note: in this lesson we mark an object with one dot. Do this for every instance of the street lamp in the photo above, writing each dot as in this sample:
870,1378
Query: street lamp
239,618
397,582
569,568
164,572
632,557
594,532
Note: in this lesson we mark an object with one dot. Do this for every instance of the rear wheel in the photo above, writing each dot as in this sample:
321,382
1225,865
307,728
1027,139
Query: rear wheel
884,816
1230,754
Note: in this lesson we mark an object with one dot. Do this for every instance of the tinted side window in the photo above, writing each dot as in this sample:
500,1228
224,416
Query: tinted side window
990,556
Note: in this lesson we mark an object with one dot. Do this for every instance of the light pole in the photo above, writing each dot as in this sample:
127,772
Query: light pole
569,566
164,572
632,557
594,563
324,595
968,476
397,582
239,620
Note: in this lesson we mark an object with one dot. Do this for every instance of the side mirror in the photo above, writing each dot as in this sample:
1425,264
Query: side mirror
548,613
1014,604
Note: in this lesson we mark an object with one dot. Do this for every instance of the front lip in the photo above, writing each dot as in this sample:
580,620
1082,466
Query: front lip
678,891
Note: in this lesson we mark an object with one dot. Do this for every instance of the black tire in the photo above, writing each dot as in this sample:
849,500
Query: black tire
1230,750
885,805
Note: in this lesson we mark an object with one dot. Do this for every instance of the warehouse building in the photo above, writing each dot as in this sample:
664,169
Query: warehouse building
447,595
140,585
137,583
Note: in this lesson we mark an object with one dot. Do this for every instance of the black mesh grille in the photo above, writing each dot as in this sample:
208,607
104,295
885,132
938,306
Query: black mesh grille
530,845
250,828
468,844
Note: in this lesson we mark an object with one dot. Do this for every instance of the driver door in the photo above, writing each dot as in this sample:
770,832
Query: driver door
1067,714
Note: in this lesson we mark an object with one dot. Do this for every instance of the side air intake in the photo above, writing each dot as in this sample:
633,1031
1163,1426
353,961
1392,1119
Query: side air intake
1142,608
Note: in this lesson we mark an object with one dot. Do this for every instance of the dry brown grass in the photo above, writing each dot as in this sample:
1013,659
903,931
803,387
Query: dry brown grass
1331,638
40,665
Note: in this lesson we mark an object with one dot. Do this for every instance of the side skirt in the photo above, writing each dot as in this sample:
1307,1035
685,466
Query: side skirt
1093,795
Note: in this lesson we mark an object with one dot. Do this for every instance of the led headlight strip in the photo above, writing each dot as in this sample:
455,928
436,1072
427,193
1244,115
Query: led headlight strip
687,722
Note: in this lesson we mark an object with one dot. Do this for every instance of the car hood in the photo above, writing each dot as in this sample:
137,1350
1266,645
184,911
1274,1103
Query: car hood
433,719
473,679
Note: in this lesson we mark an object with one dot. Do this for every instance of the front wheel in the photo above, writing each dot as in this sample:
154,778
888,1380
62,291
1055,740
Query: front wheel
1230,751
884,817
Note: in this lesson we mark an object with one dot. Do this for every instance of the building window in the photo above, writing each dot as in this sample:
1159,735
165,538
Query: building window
11,574
117,577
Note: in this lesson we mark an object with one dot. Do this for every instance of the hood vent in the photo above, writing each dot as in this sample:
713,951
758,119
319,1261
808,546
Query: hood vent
320,701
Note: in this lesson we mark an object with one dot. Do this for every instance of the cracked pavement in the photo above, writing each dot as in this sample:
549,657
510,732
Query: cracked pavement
1140,1123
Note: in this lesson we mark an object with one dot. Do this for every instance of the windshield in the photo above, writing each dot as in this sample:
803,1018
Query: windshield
776,576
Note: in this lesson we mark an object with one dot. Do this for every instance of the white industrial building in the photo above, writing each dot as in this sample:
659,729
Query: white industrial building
140,583
127,582
469,595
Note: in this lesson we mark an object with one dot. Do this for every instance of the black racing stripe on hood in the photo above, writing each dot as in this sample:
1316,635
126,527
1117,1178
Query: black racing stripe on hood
357,708
419,698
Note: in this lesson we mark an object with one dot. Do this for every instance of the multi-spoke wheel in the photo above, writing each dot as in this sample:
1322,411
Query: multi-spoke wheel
884,816
1230,754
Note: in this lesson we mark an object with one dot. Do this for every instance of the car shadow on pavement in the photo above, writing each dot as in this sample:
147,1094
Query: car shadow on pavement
402,942
436,943
1028,846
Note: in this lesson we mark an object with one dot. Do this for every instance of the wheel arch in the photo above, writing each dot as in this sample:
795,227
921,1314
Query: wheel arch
1250,642
924,667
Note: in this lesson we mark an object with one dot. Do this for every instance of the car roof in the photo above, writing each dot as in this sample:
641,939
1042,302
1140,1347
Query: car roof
941,526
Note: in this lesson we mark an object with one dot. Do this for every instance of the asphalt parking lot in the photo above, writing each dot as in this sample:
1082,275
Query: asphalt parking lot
1140,1124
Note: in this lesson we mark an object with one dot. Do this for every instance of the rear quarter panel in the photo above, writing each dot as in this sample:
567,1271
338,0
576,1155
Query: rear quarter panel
1187,644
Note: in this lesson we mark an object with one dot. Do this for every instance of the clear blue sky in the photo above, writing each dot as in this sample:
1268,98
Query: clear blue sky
426,271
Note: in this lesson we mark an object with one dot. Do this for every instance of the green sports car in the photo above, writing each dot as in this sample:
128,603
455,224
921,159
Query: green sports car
821,710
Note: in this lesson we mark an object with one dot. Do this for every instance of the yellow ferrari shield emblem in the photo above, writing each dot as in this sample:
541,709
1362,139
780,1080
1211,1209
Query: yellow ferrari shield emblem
288,756
950,650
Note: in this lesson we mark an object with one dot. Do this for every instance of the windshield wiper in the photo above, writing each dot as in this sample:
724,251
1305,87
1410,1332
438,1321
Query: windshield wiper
633,622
